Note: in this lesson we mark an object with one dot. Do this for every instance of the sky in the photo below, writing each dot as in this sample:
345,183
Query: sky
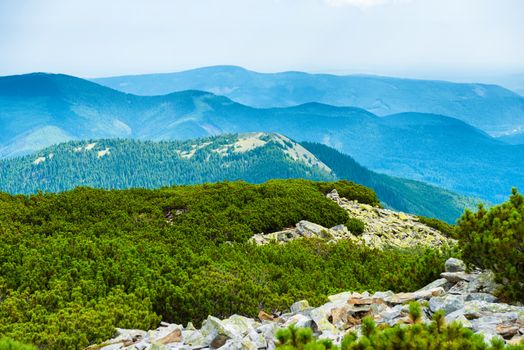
445,39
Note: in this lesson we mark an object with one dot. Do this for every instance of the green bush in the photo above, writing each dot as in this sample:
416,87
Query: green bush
351,191
75,265
10,344
447,229
356,226
494,240
420,336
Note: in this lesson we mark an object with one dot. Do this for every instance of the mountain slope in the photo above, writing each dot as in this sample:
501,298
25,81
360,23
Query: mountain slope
401,194
254,157
491,108
47,109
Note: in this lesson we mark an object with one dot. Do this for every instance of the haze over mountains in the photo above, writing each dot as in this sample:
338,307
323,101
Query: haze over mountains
252,157
494,109
38,110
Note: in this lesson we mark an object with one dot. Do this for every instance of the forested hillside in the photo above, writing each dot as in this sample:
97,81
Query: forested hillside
38,110
124,164
401,194
254,158
78,264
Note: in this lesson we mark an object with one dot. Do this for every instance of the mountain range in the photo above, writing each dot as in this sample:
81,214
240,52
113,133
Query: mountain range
252,157
492,108
38,110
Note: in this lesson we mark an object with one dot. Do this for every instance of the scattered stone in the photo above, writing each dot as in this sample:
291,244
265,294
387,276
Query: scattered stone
383,228
516,340
507,331
299,321
173,337
309,229
465,298
264,316
300,306
218,341
448,303
402,298
481,297
440,283
454,277
454,265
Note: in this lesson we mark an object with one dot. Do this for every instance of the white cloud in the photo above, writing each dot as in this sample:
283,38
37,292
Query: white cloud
362,3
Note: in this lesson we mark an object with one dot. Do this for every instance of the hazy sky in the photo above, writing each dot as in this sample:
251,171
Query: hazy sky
427,38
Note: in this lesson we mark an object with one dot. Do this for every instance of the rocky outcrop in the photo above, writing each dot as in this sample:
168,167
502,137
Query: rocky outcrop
383,228
467,299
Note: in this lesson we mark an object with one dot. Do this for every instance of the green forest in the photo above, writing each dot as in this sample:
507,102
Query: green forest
146,164
77,264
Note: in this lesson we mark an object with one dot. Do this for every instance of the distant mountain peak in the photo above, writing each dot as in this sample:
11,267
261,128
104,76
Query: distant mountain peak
491,108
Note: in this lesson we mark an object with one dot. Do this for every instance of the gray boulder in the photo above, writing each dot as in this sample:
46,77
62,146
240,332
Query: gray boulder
309,229
455,265
300,306
448,303
481,297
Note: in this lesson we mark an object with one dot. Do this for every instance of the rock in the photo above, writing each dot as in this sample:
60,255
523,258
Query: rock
309,229
454,277
340,297
383,295
486,323
481,297
257,338
441,282
339,316
300,306
116,346
218,341
236,344
459,317
484,283
195,338
454,265
460,287
268,331
212,327
299,321
366,301
477,308
448,303
507,331
264,316
339,230
333,195
173,337
320,317
131,335
516,340
335,337
391,314
401,298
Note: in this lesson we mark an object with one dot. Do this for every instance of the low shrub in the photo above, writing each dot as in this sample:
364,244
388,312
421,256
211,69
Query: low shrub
75,265
10,344
494,240
447,229
351,191
356,226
